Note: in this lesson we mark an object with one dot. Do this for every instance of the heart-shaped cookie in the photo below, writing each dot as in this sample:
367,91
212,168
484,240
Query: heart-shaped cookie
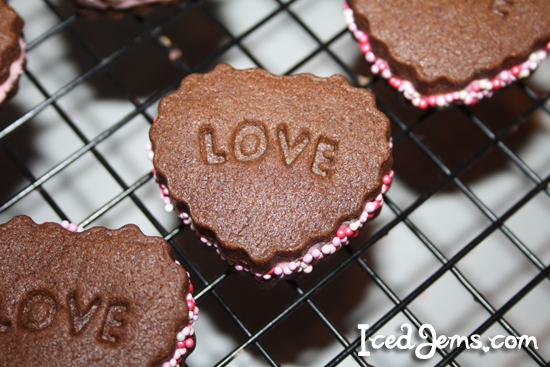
272,170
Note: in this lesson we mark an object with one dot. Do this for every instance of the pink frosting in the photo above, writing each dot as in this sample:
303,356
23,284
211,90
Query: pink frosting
102,4
16,69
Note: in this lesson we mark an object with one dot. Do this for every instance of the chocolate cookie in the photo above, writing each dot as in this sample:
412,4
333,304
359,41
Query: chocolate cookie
271,170
12,50
100,297
443,51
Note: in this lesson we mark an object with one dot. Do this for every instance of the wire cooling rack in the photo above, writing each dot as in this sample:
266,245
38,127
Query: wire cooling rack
462,244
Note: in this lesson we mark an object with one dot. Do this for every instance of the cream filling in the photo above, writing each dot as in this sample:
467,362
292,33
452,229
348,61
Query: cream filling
16,69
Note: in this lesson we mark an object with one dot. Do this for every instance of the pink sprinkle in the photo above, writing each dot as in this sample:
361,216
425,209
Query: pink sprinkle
496,83
65,224
316,253
363,218
72,227
166,200
336,242
292,266
432,101
386,74
308,258
278,271
239,267
375,69
386,179
326,249
423,104
191,305
370,207
341,233
349,232
449,97
475,87
166,364
515,70
370,57
155,119
364,47
180,345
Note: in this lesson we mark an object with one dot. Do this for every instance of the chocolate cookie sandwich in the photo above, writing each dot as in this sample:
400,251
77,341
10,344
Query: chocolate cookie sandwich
275,172
439,52
98,297
12,50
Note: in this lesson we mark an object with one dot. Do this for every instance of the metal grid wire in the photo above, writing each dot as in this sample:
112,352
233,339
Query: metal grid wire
72,148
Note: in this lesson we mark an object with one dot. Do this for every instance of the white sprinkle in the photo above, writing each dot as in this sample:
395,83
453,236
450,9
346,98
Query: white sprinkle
524,73
483,83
